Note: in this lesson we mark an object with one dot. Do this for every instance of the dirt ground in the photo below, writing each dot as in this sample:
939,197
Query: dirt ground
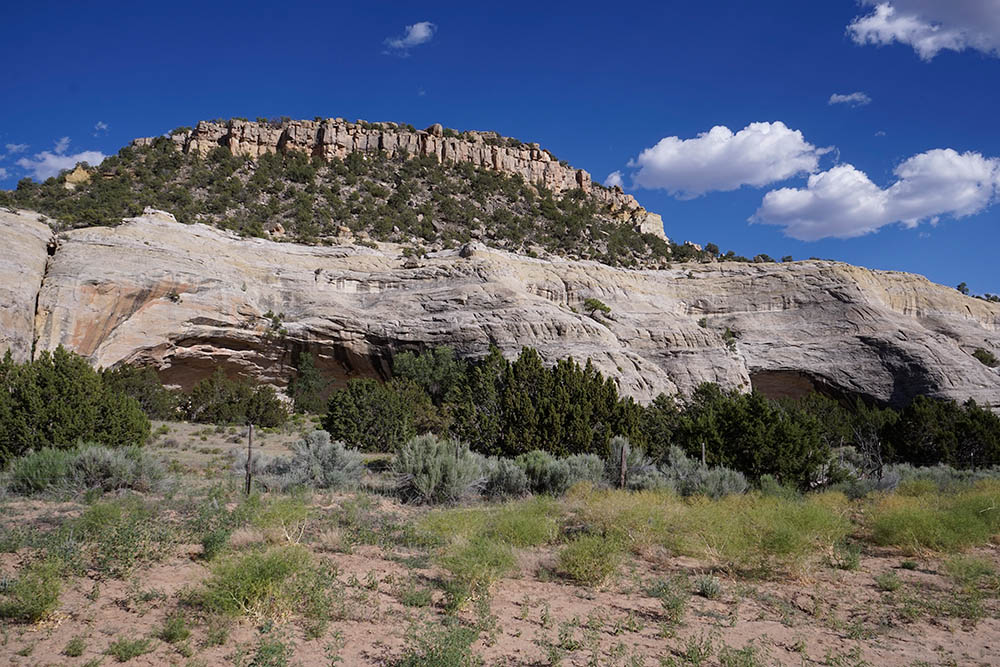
821,616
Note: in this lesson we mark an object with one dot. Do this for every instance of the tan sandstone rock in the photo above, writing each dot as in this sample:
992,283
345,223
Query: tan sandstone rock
189,297
23,254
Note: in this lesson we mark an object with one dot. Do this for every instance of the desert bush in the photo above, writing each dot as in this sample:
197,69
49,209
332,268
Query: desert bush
591,559
174,629
545,473
433,470
689,477
673,594
708,587
548,475
504,479
315,462
527,523
640,471
33,594
87,466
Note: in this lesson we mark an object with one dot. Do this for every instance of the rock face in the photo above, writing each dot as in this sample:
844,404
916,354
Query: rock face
22,268
335,137
189,297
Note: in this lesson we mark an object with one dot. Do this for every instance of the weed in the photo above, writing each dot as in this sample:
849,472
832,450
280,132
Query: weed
708,587
888,582
411,596
33,595
748,656
673,594
214,543
475,566
174,629
75,647
909,565
269,651
590,559
846,555
123,649
442,646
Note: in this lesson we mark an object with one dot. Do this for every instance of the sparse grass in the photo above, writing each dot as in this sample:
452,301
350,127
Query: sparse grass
591,559
935,521
124,649
673,594
124,534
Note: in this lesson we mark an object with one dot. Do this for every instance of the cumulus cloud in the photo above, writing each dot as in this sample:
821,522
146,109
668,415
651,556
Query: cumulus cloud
615,178
857,99
843,202
757,155
930,26
414,35
4,174
50,163
101,128
16,148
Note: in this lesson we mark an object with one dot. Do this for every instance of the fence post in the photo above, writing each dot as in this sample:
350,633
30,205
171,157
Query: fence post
249,456
623,469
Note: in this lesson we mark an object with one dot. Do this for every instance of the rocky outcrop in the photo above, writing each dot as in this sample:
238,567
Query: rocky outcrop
336,137
189,297
26,238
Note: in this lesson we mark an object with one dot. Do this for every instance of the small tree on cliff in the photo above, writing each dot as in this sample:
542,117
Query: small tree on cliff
593,305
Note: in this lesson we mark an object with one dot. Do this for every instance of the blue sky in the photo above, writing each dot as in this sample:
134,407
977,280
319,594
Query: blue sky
906,179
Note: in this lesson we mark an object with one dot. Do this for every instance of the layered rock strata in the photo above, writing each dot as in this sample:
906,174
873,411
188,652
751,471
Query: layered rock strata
187,298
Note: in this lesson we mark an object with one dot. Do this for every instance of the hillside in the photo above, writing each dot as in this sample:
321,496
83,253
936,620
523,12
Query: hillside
325,181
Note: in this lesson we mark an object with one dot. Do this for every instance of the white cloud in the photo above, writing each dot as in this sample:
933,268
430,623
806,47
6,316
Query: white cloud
615,178
843,202
101,128
4,174
757,155
16,148
61,145
857,99
930,26
415,35
46,164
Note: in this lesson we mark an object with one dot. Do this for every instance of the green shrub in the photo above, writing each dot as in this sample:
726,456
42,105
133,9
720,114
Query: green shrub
474,567
369,415
888,582
640,471
440,646
85,467
986,357
125,534
708,587
316,462
214,543
504,479
58,399
673,594
142,383
219,400
307,388
548,475
34,593
75,647
528,523
174,629
430,470
269,584
123,649
690,478
590,559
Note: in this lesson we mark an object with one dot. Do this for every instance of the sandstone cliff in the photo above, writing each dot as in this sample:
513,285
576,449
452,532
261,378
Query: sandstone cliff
336,137
189,297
